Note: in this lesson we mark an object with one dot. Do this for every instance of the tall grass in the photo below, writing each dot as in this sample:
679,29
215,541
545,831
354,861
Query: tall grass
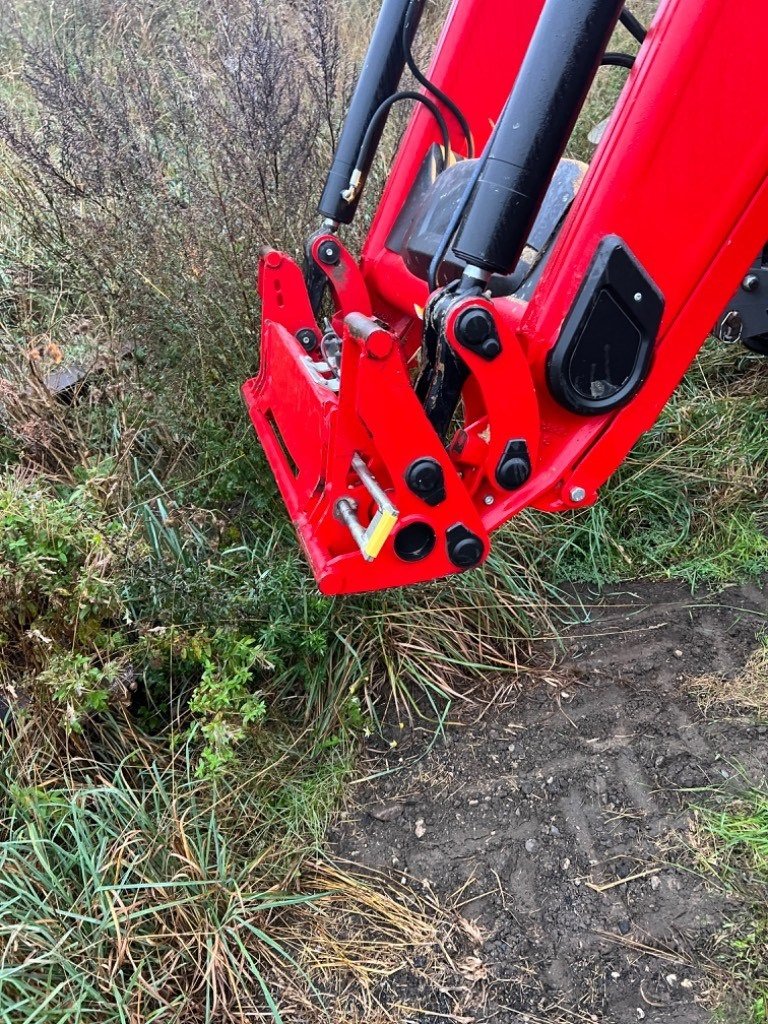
734,850
690,501
132,892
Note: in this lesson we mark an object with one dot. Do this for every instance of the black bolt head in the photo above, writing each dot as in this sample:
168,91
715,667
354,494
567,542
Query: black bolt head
475,326
307,339
513,473
426,479
329,253
465,549
476,330
514,468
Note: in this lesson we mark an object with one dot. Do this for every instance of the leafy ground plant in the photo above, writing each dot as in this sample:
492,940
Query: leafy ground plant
60,600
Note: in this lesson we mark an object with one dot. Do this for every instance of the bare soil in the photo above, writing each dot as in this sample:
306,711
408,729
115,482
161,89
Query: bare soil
558,823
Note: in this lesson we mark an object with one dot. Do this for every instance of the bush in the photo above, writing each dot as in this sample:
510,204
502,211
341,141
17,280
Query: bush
61,604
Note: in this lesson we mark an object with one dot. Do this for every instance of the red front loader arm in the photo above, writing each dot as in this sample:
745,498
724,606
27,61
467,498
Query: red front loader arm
501,344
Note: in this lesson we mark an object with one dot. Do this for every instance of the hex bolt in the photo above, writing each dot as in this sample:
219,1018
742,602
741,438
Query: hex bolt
489,499
578,494
638,296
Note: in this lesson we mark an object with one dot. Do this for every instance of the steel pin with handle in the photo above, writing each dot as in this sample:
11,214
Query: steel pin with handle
370,541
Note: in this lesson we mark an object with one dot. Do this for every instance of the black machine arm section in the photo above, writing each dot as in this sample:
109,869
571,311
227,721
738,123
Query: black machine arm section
567,48
380,76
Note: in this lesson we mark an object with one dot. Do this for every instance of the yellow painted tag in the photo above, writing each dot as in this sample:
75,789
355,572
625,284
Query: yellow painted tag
380,534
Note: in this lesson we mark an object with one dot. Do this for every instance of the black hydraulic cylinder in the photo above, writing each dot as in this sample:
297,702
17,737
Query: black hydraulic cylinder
378,81
533,131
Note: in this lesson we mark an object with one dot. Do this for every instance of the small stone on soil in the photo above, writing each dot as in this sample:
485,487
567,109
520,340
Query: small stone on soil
386,812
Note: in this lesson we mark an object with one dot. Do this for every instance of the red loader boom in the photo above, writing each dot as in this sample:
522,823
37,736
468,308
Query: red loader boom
515,321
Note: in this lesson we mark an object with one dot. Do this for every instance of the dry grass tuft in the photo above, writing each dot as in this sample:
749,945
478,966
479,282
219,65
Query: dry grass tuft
747,690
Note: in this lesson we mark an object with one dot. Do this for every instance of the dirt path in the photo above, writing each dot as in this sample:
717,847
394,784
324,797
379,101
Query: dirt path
551,817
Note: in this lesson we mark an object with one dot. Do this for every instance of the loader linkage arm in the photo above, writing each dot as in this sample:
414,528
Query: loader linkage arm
516,320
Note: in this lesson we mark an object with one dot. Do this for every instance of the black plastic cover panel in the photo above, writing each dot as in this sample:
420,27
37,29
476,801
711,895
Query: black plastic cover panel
604,351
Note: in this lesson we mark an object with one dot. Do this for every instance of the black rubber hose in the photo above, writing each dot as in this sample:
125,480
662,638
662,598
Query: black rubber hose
619,60
633,26
453,226
422,79
370,135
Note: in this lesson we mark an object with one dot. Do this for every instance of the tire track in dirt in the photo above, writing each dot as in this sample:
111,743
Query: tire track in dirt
553,818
